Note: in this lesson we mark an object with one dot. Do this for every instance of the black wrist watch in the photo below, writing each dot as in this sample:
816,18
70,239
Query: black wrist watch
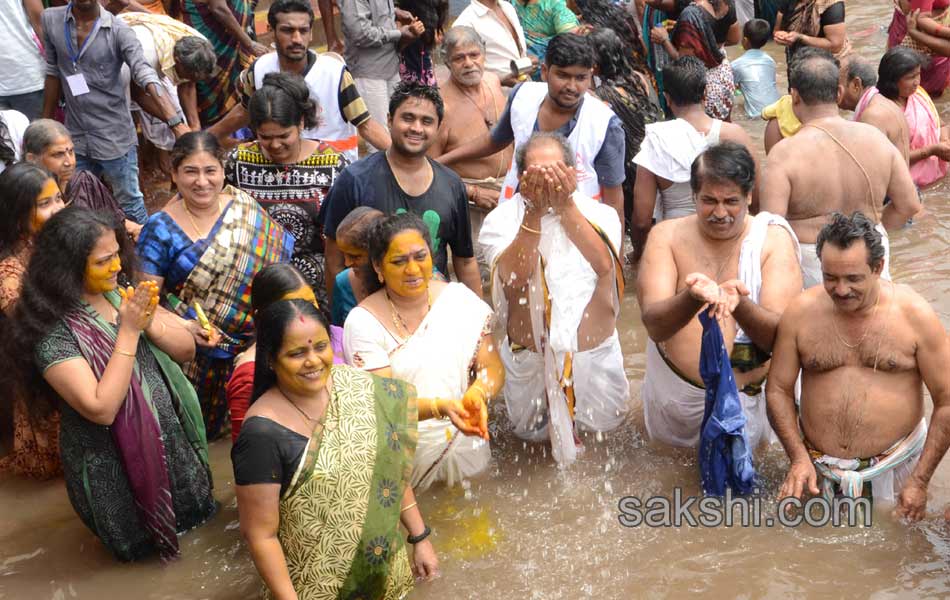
415,539
175,121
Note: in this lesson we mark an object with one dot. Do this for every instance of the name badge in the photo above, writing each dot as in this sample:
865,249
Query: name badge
77,84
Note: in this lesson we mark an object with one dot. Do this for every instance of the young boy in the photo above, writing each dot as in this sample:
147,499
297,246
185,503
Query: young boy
754,71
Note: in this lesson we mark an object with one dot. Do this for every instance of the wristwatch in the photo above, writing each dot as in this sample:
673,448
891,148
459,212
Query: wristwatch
175,121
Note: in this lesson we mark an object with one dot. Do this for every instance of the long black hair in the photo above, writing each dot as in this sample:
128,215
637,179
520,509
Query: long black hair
272,283
604,14
432,13
896,62
20,185
272,324
381,234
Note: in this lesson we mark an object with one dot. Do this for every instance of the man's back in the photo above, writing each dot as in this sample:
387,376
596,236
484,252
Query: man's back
888,117
833,165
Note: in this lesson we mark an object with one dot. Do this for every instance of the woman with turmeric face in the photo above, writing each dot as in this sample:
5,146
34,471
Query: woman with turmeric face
435,335
132,441
30,197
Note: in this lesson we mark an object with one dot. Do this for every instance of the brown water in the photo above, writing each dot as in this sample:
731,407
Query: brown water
529,530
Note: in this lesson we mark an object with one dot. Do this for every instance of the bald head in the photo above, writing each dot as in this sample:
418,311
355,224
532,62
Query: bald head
814,76
525,155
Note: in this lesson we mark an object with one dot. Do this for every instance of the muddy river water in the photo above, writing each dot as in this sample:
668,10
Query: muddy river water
529,530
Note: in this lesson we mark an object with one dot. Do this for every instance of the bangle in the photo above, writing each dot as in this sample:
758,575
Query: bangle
123,352
529,230
435,408
415,539
408,507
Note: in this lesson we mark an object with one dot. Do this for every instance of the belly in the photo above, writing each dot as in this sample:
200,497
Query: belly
854,412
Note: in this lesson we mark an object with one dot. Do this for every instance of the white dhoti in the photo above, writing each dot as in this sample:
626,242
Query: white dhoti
601,389
673,407
462,456
811,265
887,472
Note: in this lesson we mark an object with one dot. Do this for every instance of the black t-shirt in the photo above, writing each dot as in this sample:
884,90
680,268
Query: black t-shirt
266,452
444,206
721,26
833,15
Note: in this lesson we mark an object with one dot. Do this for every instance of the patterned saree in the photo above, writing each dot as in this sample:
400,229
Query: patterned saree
339,518
216,272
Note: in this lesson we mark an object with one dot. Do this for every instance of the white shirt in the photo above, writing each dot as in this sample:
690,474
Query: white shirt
22,69
16,123
500,47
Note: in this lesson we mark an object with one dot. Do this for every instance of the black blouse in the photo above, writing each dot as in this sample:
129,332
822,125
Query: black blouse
266,452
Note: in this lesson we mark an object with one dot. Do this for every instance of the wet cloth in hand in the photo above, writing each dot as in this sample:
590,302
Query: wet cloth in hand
725,455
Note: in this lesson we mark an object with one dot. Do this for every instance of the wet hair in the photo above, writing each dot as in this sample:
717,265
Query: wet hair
357,224
896,62
813,73
860,68
272,283
272,324
605,14
623,89
758,32
544,137
726,162
41,134
460,35
842,231
284,98
54,282
192,143
196,55
20,185
684,80
280,7
569,50
381,234
406,90
433,14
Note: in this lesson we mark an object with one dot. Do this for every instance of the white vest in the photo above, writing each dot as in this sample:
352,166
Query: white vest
323,79
586,138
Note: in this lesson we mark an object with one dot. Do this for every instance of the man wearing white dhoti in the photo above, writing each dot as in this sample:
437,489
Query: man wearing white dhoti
556,285
744,269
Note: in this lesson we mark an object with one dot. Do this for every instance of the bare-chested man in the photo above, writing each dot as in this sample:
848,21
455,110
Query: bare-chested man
556,292
864,346
745,268
473,102
832,165
870,106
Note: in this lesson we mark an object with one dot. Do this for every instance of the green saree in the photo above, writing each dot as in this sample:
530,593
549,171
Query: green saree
339,517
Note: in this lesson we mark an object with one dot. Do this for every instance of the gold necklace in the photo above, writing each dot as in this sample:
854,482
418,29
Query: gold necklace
191,217
867,329
398,321
321,420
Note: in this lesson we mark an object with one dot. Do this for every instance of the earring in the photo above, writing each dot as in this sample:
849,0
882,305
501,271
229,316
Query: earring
380,278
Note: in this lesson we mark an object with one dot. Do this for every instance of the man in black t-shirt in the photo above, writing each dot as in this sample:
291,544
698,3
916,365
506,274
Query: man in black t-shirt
403,179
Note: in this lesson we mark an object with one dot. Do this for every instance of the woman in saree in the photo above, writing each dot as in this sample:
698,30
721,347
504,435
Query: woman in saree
698,32
925,29
816,23
272,283
229,26
542,20
899,80
286,173
657,13
31,197
135,456
436,336
47,143
352,239
321,469
204,248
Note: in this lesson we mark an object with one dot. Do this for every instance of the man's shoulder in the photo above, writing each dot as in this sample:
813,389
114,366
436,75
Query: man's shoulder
54,14
444,174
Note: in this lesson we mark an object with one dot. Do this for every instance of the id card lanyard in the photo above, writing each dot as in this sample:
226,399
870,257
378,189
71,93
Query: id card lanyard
70,51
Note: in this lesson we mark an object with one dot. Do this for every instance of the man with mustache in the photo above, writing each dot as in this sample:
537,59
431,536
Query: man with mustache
343,113
670,147
864,346
561,104
833,165
741,268
471,87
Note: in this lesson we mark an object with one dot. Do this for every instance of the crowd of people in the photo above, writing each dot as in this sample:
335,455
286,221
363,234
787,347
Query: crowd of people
362,252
